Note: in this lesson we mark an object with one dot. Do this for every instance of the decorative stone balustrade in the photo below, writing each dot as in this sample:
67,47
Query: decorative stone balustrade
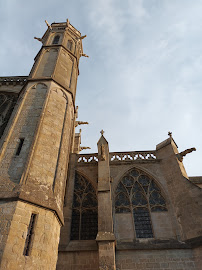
87,158
120,156
132,156
13,80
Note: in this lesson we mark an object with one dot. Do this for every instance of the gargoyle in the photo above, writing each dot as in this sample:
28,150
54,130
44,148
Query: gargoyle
39,39
80,123
83,54
184,153
82,37
84,147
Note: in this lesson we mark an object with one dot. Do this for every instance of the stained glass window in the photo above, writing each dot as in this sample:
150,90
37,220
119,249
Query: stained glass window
84,210
138,194
7,103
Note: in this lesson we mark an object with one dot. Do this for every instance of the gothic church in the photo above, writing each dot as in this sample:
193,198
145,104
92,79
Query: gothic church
60,209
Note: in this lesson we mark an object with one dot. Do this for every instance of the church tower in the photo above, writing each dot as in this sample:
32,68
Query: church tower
34,153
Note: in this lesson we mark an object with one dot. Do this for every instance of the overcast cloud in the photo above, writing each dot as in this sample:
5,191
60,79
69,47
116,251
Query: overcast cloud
144,74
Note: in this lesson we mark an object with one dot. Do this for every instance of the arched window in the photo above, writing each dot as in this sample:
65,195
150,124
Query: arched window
69,45
7,103
56,39
84,210
139,195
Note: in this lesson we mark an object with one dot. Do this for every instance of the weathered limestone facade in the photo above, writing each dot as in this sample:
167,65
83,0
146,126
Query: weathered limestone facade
37,130
176,239
120,210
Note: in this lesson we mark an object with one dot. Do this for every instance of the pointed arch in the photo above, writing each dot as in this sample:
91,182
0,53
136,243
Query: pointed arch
56,39
84,210
69,44
139,194
7,104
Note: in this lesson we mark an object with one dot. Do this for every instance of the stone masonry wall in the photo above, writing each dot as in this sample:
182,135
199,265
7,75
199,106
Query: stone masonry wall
45,157
44,245
46,63
181,259
24,126
185,196
79,260
6,213
198,257
164,223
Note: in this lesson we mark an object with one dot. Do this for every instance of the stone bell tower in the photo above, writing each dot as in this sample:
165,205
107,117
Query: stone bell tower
34,153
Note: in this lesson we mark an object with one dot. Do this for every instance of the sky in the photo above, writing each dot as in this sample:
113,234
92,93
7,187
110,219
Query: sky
144,74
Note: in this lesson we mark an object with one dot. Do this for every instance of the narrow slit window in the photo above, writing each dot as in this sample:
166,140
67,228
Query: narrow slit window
29,237
20,146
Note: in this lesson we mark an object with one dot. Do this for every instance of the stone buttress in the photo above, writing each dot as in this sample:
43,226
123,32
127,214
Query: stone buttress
105,237
143,198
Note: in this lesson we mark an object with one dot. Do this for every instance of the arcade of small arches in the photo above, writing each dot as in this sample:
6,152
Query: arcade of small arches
137,193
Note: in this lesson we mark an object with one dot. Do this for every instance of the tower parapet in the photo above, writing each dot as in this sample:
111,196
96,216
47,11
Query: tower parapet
58,59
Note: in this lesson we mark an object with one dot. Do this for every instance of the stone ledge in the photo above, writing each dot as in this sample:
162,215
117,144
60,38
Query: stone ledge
105,236
160,244
53,208
79,245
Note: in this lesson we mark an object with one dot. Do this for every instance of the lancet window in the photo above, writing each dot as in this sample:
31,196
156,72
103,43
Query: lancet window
56,39
138,194
84,210
7,103
69,45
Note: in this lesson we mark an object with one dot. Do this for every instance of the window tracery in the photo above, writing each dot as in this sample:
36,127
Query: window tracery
138,194
84,210
56,39
7,103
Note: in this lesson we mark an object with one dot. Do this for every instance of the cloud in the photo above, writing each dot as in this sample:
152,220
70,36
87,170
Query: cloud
143,77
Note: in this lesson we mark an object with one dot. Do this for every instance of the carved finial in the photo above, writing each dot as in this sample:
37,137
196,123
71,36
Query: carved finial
49,26
170,134
80,131
84,147
80,123
102,132
67,22
76,111
184,153
39,39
